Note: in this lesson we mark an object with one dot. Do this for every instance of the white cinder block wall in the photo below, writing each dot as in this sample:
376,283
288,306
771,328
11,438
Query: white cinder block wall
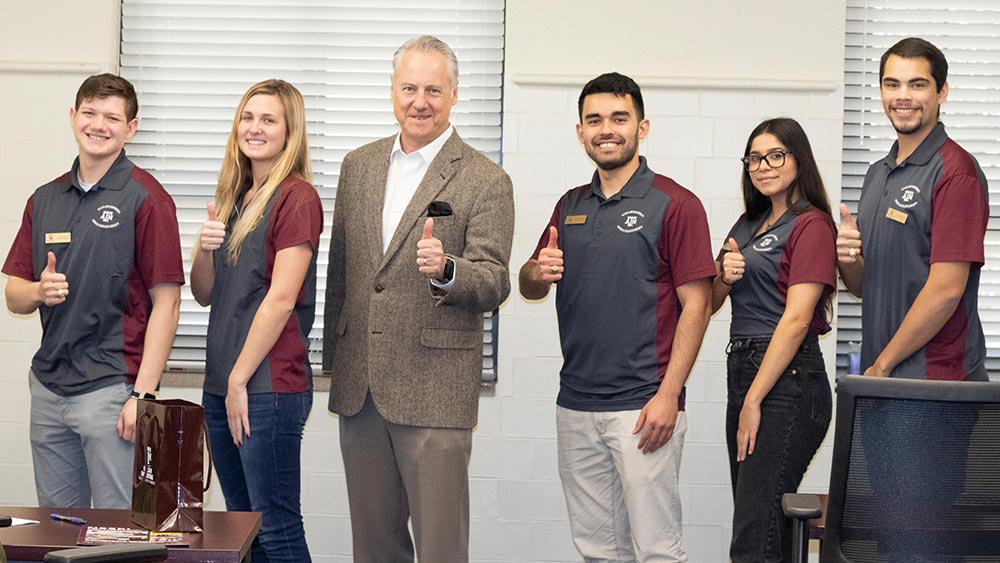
708,75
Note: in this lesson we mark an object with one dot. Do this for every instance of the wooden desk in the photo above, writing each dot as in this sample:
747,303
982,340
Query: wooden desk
226,539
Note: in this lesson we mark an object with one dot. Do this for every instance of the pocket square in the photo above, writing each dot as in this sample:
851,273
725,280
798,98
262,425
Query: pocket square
439,209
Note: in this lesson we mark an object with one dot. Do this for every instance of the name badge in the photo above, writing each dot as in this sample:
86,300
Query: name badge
576,219
57,238
897,216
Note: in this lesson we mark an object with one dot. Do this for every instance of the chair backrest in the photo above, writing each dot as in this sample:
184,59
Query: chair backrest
916,472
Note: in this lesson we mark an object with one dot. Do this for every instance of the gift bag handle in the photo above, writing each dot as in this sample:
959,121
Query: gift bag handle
208,446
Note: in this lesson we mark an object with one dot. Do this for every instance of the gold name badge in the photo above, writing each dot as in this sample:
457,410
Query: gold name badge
897,216
576,219
57,238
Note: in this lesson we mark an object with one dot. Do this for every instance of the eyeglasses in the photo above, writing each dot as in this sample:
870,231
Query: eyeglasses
775,159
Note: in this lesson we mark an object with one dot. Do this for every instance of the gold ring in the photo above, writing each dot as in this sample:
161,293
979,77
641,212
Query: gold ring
735,271
853,252
62,292
554,269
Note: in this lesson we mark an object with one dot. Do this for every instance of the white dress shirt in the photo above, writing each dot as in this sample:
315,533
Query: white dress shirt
406,171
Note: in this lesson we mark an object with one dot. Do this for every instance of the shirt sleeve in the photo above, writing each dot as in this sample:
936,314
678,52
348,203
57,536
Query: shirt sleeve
543,241
959,216
19,260
688,244
812,251
158,242
299,219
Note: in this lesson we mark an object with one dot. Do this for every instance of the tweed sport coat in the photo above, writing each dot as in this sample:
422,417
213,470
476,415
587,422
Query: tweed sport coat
385,331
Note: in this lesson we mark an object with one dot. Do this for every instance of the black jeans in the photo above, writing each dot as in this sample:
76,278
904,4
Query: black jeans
795,416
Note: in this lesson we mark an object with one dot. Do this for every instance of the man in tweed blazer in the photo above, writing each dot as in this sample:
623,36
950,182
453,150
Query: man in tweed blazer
419,251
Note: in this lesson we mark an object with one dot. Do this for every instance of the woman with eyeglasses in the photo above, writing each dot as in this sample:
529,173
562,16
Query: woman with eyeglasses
778,268
255,263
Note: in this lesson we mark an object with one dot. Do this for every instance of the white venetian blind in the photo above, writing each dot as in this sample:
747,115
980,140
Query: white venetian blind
968,32
191,61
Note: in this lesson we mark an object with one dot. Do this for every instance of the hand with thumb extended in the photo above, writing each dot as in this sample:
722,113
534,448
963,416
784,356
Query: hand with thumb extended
52,285
428,229
848,237
213,232
430,252
550,258
733,263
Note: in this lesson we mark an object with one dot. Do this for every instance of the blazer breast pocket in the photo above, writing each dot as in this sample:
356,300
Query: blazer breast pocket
450,338
444,221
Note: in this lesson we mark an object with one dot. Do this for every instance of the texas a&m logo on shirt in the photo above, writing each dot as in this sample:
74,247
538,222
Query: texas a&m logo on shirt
766,244
631,221
108,217
908,197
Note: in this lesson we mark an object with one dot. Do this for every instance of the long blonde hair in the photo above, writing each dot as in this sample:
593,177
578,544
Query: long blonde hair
236,171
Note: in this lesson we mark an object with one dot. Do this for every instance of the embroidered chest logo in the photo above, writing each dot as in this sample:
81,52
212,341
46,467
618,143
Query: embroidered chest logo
631,221
908,197
108,217
766,244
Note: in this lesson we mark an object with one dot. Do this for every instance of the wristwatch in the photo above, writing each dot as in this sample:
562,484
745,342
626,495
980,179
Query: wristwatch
449,271
136,395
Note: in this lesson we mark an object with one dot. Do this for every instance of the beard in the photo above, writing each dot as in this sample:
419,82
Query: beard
613,162
908,127
904,128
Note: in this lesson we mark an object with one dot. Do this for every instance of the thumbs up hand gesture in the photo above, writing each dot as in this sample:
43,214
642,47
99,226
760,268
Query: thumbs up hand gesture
52,284
848,237
430,253
213,232
733,264
550,258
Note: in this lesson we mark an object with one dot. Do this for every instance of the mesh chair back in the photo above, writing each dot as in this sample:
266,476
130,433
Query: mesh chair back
916,472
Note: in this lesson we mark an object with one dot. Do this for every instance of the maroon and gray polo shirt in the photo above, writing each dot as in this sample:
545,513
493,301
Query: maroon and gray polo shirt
617,304
294,215
114,243
931,208
798,248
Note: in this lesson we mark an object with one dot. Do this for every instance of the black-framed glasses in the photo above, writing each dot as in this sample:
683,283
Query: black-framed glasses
775,159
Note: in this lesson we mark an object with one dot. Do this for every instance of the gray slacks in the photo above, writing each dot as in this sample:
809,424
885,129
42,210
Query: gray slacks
396,472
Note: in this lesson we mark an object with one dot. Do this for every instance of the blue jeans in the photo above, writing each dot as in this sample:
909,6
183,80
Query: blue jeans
794,419
264,474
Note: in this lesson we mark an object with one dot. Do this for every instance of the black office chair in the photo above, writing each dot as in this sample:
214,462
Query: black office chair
915,476
112,553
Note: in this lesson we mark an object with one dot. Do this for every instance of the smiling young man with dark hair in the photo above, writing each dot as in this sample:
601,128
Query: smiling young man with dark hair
915,251
98,256
631,254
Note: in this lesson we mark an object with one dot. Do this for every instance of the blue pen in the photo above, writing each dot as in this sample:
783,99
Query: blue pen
71,519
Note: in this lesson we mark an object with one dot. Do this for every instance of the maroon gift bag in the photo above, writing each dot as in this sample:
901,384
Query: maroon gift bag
167,480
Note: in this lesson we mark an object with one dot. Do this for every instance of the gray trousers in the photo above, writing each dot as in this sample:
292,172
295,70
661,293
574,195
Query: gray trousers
77,454
396,472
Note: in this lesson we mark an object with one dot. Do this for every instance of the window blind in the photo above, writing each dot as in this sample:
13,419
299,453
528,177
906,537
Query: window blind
191,62
968,32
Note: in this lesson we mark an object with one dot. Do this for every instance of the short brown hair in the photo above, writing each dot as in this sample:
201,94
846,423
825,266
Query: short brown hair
917,48
105,85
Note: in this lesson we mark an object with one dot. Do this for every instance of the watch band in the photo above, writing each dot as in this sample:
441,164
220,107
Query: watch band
135,394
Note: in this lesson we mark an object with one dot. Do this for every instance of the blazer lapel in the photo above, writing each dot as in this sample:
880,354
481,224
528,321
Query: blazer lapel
438,174
374,199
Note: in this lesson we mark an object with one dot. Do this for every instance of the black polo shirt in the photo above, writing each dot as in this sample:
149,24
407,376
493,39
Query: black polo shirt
617,304
293,215
800,247
932,207
113,242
